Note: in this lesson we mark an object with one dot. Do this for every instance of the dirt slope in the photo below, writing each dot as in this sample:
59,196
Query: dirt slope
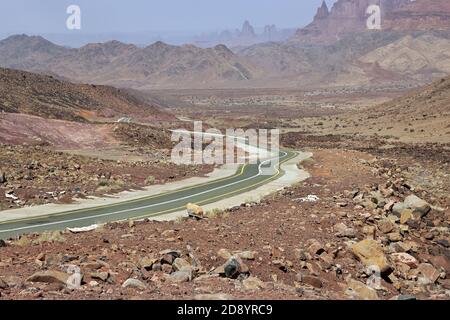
45,96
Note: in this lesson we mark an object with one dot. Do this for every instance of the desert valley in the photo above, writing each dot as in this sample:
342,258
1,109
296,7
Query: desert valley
368,110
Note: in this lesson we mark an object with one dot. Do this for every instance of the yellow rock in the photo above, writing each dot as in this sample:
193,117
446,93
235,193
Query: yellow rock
370,253
360,291
194,209
406,215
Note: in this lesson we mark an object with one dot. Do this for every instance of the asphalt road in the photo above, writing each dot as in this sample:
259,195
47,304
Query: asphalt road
247,178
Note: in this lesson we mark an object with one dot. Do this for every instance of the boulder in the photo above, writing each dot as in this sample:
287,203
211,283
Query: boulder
398,208
252,284
310,280
386,226
427,274
194,210
370,253
180,277
100,276
314,247
406,215
419,207
359,291
181,264
134,283
343,231
395,237
234,267
50,276
224,253
147,262
405,258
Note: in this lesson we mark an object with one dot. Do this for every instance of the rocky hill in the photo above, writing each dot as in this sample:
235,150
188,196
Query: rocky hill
350,16
119,64
47,97
421,116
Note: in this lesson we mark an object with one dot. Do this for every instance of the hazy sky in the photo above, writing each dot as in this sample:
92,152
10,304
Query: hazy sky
98,16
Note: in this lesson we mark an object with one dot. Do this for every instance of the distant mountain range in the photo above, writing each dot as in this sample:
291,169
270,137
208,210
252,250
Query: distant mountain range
336,49
244,37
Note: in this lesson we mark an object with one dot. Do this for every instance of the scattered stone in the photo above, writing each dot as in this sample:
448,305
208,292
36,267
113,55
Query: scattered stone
180,277
50,276
441,262
252,284
168,233
134,283
311,280
370,232
343,231
406,216
427,274
167,268
386,226
406,259
395,237
443,242
314,247
2,243
398,208
419,207
360,291
194,211
370,253
181,264
100,276
147,263
246,255
174,253
225,254
234,267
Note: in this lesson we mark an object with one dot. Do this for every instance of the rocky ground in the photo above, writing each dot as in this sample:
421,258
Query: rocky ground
33,175
325,238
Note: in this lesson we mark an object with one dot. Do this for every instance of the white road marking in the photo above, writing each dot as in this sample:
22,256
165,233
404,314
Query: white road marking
144,207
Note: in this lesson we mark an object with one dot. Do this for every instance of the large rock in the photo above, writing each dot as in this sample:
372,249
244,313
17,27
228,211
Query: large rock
398,208
134,283
370,253
194,210
427,274
50,276
343,231
252,284
386,226
419,207
405,258
180,277
359,291
234,267
314,247
181,264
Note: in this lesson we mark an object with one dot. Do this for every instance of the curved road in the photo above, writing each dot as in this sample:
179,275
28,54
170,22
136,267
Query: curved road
247,178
